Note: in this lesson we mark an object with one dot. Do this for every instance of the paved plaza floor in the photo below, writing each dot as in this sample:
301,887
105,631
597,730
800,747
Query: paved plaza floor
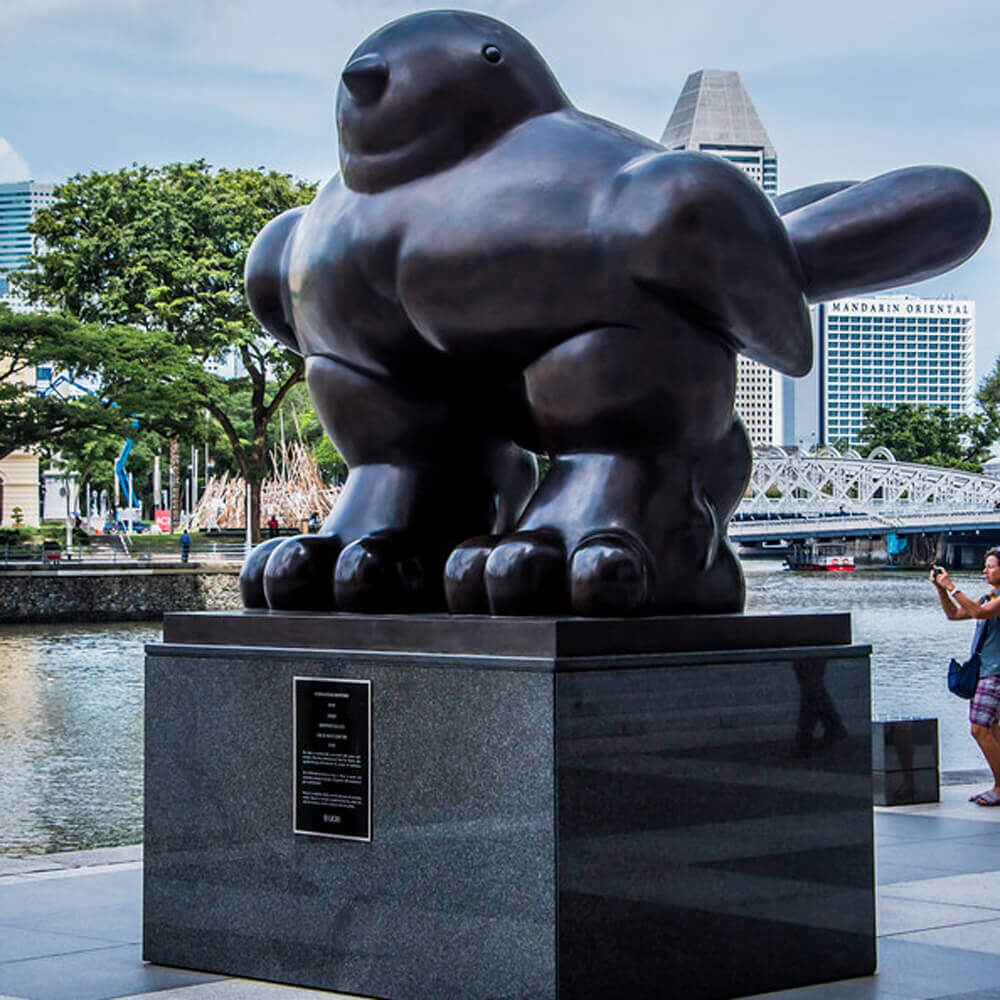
70,923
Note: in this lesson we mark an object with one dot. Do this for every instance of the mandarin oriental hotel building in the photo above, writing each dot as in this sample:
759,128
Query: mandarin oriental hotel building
891,349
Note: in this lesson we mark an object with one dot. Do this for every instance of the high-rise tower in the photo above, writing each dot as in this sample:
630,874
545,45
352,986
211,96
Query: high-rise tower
890,349
714,114
18,203
19,200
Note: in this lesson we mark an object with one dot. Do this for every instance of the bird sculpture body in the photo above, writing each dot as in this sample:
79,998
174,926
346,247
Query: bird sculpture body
494,273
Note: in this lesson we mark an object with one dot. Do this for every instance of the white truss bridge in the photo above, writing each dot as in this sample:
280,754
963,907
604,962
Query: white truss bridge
827,493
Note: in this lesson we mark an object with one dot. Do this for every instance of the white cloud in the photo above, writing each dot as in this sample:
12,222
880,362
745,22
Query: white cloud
12,164
95,84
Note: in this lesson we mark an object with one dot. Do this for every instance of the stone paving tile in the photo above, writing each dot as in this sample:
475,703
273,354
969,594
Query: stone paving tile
932,827
100,904
957,858
983,936
901,916
98,974
927,972
26,864
888,873
983,839
849,989
23,866
99,856
17,944
954,805
55,874
991,994
240,989
979,889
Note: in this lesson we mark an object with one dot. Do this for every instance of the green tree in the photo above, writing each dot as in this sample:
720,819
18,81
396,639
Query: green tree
988,396
930,435
27,419
160,252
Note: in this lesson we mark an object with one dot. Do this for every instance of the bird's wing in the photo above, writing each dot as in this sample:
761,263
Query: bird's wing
700,235
899,227
791,200
265,277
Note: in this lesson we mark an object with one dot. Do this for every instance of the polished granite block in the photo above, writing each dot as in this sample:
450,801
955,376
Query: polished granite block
547,826
458,874
702,840
906,788
505,636
904,744
905,761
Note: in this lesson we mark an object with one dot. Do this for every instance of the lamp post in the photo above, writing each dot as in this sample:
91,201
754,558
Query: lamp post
69,519
248,544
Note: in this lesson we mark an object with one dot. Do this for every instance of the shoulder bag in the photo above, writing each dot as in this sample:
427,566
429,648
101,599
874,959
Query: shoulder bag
963,678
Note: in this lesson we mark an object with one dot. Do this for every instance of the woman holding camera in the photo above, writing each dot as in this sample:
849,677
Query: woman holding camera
985,705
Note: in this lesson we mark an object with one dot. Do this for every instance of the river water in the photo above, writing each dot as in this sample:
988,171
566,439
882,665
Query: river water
71,699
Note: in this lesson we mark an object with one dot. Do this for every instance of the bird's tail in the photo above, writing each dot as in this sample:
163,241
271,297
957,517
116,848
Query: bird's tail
896,228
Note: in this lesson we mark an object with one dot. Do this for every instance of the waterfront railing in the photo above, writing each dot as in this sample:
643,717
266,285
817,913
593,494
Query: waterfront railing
202,552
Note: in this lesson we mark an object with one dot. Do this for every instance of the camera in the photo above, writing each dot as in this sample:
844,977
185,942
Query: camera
937,571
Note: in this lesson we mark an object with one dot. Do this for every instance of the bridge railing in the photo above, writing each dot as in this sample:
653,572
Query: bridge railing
829,480
790,508
860,523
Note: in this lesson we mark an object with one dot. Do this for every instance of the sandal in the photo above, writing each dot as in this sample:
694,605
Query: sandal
975,795
989,798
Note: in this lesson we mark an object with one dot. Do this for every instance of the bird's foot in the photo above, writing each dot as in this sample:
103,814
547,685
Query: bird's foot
298,575
379,572
605,536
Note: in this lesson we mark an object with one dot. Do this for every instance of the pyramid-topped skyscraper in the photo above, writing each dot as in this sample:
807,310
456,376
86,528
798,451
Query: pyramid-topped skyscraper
714,114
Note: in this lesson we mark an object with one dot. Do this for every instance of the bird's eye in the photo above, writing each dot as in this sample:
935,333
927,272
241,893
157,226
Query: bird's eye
492,54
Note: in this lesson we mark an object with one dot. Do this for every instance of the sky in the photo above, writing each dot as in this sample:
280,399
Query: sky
846,92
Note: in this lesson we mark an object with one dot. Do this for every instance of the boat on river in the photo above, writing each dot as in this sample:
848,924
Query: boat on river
824,556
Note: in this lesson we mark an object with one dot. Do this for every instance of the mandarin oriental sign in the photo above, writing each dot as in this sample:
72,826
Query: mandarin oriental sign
901,307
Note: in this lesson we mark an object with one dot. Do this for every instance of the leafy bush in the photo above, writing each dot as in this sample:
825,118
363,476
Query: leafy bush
15,537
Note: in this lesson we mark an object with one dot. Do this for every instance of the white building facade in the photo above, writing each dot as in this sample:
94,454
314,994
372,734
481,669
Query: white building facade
228,365
759,401
892,349
714,114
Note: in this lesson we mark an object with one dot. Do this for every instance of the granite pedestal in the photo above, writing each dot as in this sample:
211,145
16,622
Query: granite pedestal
560,808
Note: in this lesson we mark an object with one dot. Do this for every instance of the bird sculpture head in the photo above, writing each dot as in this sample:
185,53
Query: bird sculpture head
431,89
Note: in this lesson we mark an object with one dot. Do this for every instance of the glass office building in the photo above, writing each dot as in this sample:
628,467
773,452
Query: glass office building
891,349
19,200
18,203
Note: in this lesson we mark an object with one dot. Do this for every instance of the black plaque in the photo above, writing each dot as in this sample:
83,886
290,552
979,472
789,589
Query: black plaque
332,751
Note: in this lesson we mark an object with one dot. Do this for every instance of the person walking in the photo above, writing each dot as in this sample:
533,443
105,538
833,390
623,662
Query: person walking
185,543
985,705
